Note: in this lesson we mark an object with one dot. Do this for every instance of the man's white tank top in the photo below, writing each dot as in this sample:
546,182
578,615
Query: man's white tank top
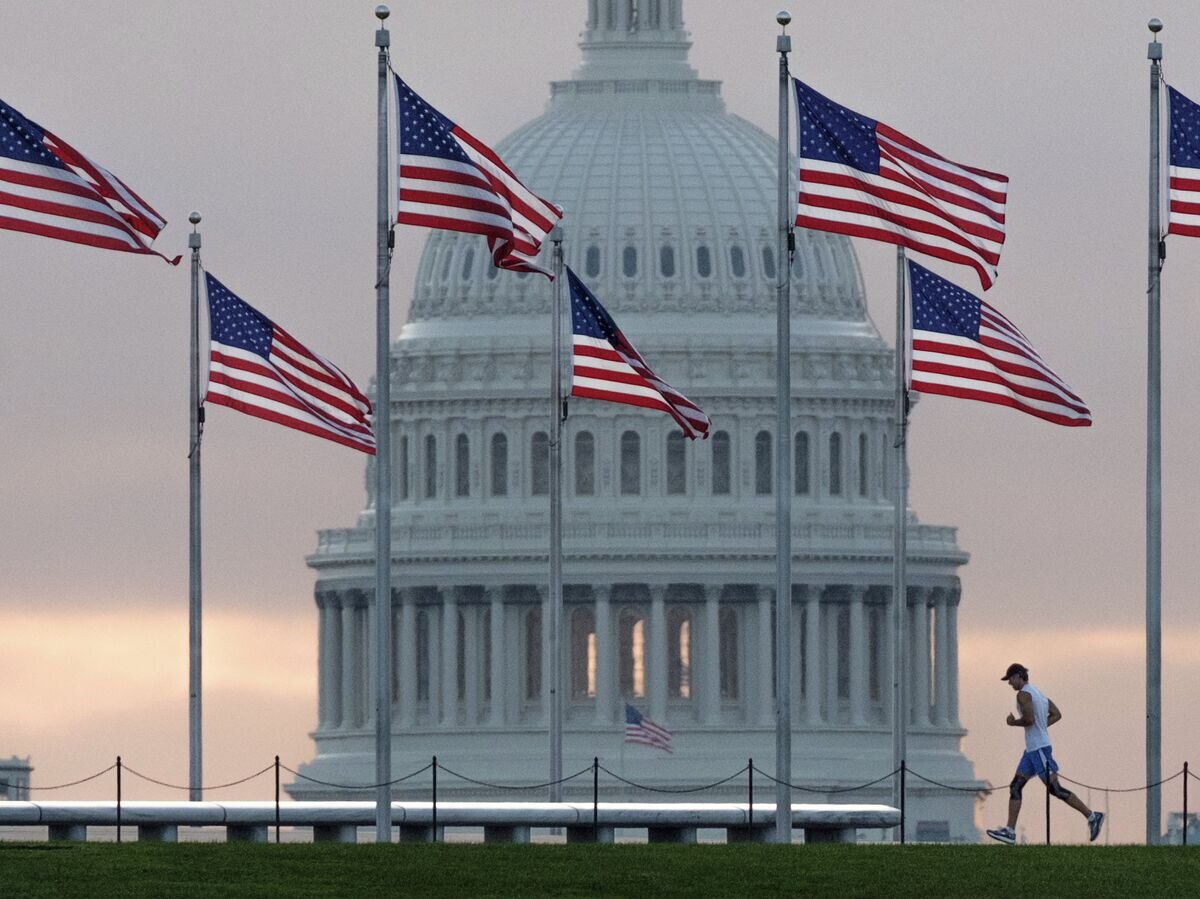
1036,735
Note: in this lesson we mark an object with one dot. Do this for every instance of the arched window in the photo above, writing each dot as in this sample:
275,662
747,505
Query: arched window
447,259
430,466
533,654
468,261
591,259
493,272
763,478
863,481
737,261
585,464
721,479
629,262
768,261
402,468
676,464
583,654
462,465
703,261
728,645
679,653
423,661
835,464
539,460
798,264
631,464
632,653
666,261
499,465
801,465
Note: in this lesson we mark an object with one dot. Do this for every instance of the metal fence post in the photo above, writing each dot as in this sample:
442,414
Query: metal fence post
433,834
596,797
750,790
276,799
118,799
903,798
1047,808
1185,786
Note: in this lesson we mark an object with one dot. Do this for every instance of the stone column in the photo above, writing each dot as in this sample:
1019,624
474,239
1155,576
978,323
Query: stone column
605,657
832,659
367,648
656,668
941,705
543,592
858,656
812,654
449,683
408,658
952,657
397,640
330,659
711,713
349,661
798,592
471,664
920,662
495,596
766,660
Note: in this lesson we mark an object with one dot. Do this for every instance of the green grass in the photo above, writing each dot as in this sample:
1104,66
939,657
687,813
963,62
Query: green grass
195,869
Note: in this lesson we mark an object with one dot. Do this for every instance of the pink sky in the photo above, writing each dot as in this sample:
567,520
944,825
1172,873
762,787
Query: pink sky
262,116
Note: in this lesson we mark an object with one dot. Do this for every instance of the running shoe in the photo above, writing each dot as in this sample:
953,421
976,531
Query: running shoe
1009,836
1095,822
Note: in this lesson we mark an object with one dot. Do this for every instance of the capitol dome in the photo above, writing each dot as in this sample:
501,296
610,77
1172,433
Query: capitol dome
668,568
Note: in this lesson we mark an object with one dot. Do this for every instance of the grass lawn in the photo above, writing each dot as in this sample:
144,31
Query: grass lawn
194,869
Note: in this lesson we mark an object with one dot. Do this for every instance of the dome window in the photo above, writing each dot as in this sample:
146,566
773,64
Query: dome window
539,452
763,478
493,272
666,261
676,464
629,262
449,258
835,464
462,465
737,262
703,261
585,464
631,464
768,260
430,466
721,480
798,264
499,465
802,464
591,261
468,261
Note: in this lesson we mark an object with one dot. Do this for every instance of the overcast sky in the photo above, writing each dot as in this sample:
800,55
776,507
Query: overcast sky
261,115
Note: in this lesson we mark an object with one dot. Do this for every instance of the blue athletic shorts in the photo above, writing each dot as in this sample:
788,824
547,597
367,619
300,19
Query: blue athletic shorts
1038,761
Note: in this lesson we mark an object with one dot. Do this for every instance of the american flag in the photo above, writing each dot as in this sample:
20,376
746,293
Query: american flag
640,729
258,368
860,177
1185,166
607,367
963,347
451,181
48,187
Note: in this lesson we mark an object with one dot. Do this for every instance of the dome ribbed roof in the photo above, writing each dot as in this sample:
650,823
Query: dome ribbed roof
670,201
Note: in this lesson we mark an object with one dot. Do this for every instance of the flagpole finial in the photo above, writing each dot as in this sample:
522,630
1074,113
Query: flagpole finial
1155,25
194,218
784,18
382,12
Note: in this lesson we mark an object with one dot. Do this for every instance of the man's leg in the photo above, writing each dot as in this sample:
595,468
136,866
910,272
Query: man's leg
1060,792
1014,798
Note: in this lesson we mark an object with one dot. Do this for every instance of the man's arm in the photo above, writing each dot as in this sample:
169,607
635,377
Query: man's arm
1053,714
1025,707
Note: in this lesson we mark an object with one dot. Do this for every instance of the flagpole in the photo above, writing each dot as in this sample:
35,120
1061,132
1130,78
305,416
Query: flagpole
554,666
1154,462
383,461
195,631
900,546
783,469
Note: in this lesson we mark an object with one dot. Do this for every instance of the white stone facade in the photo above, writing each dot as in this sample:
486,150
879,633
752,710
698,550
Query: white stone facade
668,545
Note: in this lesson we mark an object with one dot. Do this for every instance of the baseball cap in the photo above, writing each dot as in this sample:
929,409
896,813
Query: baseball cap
1016,668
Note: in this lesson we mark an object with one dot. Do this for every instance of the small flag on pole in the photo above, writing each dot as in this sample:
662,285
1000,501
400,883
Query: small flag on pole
607,367
1185,166
47,187
258,368
860,177
963,347
640,729
452,181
